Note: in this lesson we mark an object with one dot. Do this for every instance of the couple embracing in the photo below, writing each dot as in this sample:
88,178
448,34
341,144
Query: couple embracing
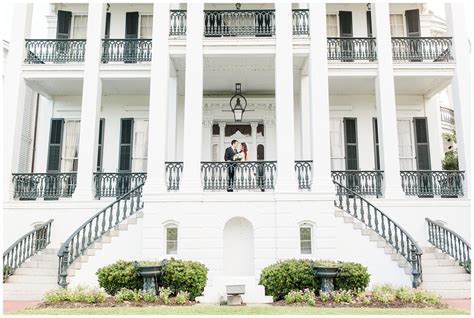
236,152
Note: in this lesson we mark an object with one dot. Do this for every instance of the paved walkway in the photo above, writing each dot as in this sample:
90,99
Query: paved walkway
462,304
14,305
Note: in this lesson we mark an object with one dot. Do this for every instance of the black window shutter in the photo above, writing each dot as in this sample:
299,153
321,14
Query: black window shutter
422,144
131,25
376,143
345,24
100,148
369,23
413,22
107,25
54,149
125,153
350,140
63,26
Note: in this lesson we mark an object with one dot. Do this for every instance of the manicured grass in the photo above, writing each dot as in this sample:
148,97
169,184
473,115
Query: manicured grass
247,310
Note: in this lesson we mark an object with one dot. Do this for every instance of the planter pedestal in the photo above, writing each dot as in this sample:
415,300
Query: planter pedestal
326,274
151,275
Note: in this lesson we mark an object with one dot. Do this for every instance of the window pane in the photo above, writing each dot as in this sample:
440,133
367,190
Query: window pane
331,25
171,240
80,27
396,25
305,240
146,26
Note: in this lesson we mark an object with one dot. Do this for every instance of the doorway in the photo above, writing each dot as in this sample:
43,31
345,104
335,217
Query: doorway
238,247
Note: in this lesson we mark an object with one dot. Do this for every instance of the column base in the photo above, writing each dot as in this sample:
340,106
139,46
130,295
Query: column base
83,194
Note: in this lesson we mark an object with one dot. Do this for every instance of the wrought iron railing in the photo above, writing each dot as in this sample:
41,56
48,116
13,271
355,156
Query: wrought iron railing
239,23
419,49
174,171
350,49
300,21
361,209
361,182
25,247
54,51
447,183
447,115
303,170
178,22
116,184
30,186
238,175
450,243
95,227
126,50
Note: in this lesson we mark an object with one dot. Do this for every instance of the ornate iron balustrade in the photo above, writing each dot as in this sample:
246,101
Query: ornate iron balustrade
174,170
361,182
428,183
350,49
126,50
300,22
238,175
361,209
450,243
55,51
178,22
30,186
95,227
304,175
419,49
447,115
25,247
116,184
239,23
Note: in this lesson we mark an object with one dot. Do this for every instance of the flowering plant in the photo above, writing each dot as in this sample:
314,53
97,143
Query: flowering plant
238,157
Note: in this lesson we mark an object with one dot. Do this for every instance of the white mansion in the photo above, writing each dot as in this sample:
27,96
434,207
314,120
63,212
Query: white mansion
116,124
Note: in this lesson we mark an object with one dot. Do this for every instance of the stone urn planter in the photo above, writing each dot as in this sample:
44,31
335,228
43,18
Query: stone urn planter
326,272
151,274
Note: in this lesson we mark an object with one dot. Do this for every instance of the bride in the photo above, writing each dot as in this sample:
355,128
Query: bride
244,151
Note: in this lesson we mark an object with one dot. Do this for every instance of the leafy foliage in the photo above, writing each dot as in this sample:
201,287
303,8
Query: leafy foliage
78,294
119,275
297,296
384,293
164,295
351,276
342,296
127,295
182,297
189,276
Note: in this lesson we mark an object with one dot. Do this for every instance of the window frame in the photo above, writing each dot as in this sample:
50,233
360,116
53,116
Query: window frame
140,15
167,226
337,24
72,34
404,30
310,226
412,141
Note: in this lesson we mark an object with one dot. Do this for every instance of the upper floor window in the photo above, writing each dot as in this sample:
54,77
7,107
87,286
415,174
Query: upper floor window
396,25
79,27
331,25
306,239
70,151
146,26
171,239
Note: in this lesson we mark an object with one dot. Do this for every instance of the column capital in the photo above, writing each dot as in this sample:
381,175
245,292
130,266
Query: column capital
254,124
222,124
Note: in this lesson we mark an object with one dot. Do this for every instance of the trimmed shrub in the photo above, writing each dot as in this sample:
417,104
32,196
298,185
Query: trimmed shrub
325,297
351,276
189,276
284,276
182,297
384,293
405,294
127,295
297,296
149,297
164,295
426,297
119,275
78,294
342,296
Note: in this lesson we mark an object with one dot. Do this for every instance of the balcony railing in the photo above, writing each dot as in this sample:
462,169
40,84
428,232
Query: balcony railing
54,51
235,175
350,49
178,22
116,184
30,186
426,183
418,49
174,171
300,21
239,23
126,50
447,115
303,173
361,182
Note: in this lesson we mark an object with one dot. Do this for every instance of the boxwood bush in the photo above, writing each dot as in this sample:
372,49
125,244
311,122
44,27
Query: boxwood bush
185,276
297,274
119,275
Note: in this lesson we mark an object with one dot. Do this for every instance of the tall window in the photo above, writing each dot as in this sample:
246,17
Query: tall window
80,27
306,239
396,25
331,25
171,239
146,26
70,151
337,144
405,144
140,145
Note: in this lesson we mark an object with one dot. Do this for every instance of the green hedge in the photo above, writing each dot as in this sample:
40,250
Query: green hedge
297,274
121,274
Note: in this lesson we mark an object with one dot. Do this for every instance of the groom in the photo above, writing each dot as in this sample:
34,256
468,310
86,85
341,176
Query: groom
229,154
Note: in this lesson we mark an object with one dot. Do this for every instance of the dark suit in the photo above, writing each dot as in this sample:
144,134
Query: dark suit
229,156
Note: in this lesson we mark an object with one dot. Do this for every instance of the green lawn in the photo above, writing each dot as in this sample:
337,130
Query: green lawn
249,310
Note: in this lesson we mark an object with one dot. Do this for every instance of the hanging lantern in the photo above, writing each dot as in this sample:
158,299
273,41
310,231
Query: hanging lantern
238,103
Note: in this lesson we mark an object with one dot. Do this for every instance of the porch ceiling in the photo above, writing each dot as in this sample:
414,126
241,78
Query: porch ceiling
346,85
420,85
129,86
56,86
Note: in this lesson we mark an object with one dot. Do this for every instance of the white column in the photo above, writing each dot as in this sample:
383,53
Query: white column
172,107
285,133
319,107
305,118
15,91
270,143
222,147
193,101
159,102
206,142
91,104
253,150
433,116
385,100
461,86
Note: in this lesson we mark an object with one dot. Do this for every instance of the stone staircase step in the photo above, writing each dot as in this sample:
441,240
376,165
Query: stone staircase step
26,287
366,231
443,270
45,257
358,226
22,295
36,271
32,279
50,251
434,256
457,277
454,294
446,285
429,249
339,213
40,264
348,219
105,239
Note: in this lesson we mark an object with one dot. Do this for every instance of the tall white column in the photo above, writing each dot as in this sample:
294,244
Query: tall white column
305,118
433,115
285,133
319,107
193,100
385,100
172,111
461,86
253,150
159,102
222,147
91,103
206,141
15,92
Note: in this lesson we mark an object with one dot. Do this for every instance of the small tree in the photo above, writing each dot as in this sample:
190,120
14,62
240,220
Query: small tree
450,161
